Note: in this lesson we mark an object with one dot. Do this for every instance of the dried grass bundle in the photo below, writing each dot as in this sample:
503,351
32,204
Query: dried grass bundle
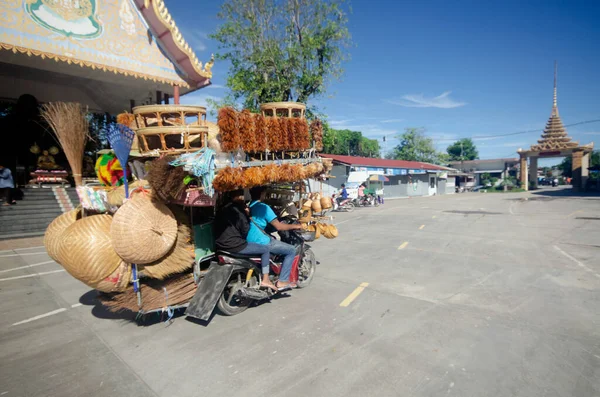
286,173
316,130
247,131
165,180
71,128
274,134
253,176
297,172
271,173
260,132
228,125
127,119
302,136
180,289
228,179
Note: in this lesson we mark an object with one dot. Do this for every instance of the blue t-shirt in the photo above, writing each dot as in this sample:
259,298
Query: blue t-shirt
262,215
344,193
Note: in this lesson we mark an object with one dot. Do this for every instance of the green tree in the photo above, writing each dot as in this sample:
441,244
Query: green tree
349,143
281,50
415,146
463,149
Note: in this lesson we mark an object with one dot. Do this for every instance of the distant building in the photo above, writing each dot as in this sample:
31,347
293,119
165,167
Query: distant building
404,178
497,168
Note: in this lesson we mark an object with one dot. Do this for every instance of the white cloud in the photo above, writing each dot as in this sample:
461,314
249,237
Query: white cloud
391,121
195,38
590,133
442,101
216,86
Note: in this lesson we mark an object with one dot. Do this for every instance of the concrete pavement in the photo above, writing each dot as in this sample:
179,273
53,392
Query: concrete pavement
467,295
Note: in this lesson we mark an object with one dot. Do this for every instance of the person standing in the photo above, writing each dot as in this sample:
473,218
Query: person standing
6,185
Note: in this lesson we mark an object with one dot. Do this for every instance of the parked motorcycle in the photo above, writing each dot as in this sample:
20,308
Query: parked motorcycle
233,281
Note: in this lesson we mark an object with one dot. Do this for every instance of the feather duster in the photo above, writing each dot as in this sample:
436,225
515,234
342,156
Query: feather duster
247,131
316,130
286,173
127,119
270,173
228,179
228,125
297,172
289,131
253,176
273,134
302,136
260,131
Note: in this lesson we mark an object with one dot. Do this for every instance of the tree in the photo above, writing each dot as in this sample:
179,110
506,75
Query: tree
281,50
415,146
350,143
463,149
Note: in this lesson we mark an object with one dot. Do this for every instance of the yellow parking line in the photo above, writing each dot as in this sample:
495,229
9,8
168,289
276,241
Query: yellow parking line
354,295
422,227
433,217
403,245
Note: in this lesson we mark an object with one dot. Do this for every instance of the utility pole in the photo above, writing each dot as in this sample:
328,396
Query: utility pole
462,159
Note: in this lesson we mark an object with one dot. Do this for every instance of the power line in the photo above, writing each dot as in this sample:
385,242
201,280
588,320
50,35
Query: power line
512,133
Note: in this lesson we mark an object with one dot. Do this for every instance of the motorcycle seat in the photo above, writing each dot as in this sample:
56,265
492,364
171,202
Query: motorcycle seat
236,255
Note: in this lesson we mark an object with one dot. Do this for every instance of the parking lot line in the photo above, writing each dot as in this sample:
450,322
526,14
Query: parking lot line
421,227
350,298
32,275
25,267
53,312
403,245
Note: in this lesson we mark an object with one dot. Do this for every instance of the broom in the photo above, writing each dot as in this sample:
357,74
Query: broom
71,128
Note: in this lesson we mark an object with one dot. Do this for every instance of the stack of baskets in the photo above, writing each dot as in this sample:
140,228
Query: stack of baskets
99,249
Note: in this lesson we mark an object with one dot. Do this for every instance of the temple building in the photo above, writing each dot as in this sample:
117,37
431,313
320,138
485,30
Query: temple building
555,142
108,55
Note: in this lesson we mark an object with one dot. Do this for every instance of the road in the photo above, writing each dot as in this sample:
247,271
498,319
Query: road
465,295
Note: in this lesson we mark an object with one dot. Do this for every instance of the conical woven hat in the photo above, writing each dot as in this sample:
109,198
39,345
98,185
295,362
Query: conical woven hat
326,202
86,250
117,281
143,230
54,232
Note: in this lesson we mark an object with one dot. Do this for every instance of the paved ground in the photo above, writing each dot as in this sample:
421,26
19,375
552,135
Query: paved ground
468,295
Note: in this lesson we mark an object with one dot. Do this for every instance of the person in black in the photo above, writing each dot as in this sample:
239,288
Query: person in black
232,223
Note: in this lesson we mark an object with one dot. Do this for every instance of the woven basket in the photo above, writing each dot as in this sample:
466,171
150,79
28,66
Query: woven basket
143,230
116,196
307,203
86,251
326,203
330,231
316,206
54,232
117,281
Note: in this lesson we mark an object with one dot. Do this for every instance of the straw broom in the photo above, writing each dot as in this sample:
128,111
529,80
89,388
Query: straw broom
71,128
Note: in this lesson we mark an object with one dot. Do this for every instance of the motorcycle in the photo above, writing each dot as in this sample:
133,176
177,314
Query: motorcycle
345,205
369,200
233,281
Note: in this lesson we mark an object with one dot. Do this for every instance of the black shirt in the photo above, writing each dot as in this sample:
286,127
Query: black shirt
231,228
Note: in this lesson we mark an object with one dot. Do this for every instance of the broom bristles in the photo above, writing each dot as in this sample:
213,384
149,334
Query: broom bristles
71,128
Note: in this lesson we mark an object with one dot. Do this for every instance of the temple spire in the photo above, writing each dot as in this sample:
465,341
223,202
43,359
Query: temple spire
554,103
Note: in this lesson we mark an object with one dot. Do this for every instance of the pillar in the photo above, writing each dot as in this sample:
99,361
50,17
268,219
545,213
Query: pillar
533,166
585,173
176,95
577,158
523,171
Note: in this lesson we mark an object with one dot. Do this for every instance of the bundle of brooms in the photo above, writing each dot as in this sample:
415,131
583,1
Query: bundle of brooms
179,290
71,128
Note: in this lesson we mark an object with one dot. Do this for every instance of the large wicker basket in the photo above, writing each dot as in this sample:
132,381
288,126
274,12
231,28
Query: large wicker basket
55,230
86,250
165,128
143,230
283,109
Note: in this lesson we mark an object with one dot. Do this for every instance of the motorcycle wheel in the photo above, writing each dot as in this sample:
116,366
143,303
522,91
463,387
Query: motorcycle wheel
307,268
349,207
229,303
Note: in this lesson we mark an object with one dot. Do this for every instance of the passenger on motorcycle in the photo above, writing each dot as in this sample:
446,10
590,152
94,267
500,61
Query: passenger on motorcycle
262,215
231,226
361,190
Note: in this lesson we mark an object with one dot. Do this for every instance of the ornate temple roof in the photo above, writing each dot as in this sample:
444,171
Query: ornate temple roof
135,38
554,136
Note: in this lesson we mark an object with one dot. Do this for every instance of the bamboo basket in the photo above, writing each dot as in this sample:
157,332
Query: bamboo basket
143,230
54,232
86,251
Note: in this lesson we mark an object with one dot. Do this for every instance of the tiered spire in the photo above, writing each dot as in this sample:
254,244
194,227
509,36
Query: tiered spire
554,136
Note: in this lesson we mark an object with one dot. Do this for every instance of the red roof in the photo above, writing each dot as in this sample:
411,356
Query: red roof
383,163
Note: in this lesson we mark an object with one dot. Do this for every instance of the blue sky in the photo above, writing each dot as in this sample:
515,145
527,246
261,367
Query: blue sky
458,69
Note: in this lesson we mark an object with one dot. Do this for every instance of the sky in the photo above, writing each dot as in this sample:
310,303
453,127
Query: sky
455,68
